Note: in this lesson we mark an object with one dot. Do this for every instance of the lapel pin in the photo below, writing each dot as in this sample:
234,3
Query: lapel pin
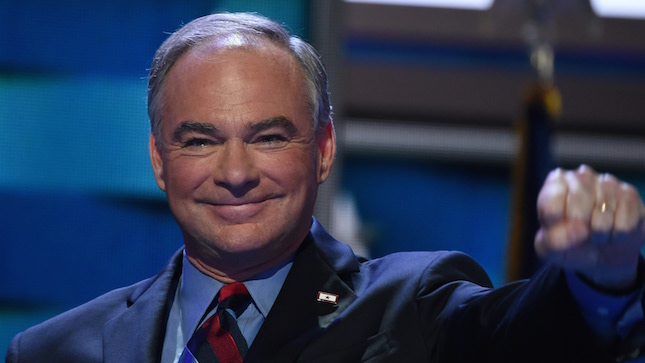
327,297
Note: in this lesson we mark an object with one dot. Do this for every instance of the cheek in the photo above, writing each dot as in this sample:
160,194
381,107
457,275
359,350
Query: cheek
186,175
295,176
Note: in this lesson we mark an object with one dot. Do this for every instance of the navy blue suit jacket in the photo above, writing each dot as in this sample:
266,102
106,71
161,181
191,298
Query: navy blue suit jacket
405,307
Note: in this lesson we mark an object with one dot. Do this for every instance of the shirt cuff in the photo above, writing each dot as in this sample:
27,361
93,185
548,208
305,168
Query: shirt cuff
606,314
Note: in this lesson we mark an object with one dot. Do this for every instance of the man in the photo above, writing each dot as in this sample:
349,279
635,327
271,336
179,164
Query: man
241,138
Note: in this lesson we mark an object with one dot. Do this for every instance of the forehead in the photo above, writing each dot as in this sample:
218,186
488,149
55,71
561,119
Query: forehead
212,82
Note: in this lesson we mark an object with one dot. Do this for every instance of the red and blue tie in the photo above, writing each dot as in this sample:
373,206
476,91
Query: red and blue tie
219,339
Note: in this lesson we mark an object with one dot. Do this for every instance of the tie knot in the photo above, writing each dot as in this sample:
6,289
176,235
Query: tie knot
233,296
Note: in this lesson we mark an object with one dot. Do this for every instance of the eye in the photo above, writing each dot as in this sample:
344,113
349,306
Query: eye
271,139
197,143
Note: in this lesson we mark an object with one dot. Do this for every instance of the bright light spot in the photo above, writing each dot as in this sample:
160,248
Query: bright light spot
619,8
458,4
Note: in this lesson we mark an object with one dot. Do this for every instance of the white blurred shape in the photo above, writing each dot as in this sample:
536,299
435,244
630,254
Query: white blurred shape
347,226
634,9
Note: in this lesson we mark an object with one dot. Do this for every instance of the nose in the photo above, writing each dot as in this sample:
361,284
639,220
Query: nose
236,169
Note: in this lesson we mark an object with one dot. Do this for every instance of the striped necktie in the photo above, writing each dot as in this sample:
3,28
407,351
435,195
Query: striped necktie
219,339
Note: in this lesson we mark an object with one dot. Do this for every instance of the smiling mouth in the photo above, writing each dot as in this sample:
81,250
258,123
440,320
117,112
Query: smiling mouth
238,211
237,203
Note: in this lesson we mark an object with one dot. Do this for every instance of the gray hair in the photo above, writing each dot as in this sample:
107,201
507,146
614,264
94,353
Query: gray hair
252,29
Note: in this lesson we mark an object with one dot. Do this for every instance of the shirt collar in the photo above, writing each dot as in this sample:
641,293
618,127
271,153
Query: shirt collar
197,290
265,286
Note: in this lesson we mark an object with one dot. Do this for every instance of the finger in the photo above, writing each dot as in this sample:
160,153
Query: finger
581,195
602,218
560,237
628,210
584,168
552,198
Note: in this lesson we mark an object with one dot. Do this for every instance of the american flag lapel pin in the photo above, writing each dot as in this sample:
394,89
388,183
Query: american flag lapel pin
327,297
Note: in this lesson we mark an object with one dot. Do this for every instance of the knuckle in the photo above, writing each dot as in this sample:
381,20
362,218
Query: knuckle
629,192
551,192
580,183
607,181
608,177
584,169
554,174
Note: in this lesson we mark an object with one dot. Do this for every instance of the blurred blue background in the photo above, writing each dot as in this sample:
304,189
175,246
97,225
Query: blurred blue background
80,213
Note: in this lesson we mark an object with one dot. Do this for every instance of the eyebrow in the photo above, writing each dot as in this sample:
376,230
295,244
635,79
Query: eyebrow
193,126
210,129
277,121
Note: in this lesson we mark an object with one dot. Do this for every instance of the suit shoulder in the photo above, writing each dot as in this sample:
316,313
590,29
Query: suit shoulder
79,325
436,266
99,308
416,260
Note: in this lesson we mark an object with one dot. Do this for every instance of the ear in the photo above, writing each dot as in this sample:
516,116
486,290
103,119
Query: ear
326,151
157,162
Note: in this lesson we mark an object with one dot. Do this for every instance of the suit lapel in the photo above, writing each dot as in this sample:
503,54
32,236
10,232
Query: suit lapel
137,334
297,316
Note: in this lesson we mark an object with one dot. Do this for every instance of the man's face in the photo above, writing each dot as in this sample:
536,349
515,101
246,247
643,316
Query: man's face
241,162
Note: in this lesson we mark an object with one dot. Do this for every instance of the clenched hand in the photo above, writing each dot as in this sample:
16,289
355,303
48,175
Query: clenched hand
593,224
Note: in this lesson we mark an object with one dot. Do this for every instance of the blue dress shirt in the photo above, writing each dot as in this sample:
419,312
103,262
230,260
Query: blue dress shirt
196,291
607,315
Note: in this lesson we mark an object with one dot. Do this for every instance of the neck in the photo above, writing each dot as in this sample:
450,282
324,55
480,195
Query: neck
236,272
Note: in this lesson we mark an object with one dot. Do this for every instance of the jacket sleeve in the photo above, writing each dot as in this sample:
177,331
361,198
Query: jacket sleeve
12,351
534,320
